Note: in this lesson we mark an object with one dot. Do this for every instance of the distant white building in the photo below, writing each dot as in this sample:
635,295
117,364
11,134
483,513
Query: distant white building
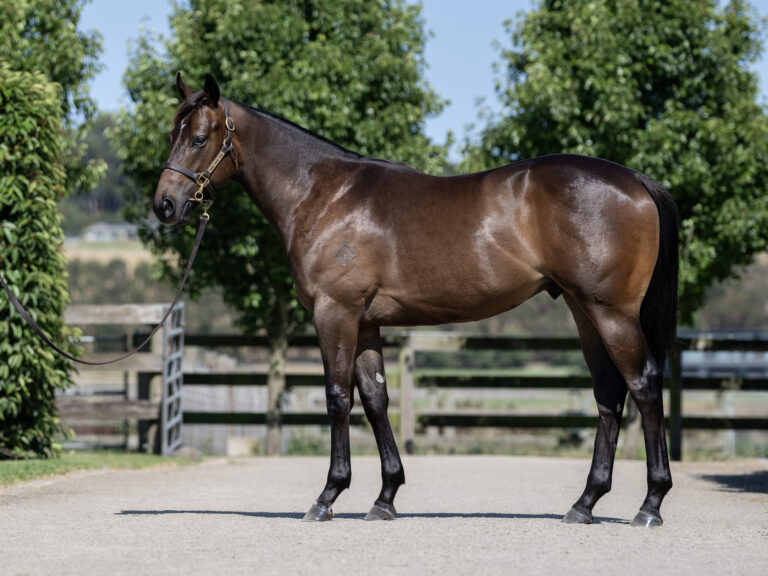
109,232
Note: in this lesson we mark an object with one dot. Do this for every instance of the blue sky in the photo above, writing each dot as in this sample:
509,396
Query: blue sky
459,54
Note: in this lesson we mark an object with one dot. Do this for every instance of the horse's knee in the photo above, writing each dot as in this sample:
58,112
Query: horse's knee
338,404
371,384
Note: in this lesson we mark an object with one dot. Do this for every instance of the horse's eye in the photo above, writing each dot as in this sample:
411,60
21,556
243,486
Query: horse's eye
199,140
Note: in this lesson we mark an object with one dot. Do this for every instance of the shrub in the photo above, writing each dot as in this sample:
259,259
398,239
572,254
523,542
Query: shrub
32,149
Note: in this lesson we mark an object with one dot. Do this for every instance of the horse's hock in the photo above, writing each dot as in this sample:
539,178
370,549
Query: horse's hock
145,388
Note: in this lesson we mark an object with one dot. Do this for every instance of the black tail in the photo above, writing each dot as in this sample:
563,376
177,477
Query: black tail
658,313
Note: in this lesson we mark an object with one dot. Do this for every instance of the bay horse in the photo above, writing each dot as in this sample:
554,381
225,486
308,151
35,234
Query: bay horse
375,243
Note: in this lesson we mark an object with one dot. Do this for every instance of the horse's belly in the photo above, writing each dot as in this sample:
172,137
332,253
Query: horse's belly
449,302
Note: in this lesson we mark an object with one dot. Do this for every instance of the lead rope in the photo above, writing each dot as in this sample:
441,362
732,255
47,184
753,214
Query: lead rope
204,217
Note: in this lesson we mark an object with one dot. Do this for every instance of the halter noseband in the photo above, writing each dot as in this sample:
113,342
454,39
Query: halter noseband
203,179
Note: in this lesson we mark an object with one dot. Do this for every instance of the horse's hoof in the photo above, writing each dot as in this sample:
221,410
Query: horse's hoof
647,519
578,516
318,513
381,512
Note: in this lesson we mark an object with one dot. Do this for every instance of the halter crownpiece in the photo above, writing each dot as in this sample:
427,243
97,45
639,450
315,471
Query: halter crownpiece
203,179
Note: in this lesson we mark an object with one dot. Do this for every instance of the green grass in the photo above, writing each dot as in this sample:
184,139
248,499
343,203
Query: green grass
15,471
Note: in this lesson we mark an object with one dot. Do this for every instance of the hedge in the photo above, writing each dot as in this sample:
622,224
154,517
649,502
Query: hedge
32,147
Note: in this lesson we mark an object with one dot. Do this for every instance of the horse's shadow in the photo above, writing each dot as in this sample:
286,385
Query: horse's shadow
356,516
755,482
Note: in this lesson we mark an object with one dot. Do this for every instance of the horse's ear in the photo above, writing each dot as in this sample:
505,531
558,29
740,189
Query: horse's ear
184,90
211,89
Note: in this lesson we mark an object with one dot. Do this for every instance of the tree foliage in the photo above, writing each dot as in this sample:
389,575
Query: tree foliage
106,200
42,36
32,151
664,87
738,305
349,70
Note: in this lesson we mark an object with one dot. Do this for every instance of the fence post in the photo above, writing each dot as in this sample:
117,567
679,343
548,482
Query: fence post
144,392
675,401
407,410
276,394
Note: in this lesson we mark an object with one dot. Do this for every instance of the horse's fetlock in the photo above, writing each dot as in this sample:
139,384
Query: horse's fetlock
660,481
600,484
602,488
395,477
340,479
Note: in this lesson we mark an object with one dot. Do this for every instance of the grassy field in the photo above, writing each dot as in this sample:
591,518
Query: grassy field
14,471
132,252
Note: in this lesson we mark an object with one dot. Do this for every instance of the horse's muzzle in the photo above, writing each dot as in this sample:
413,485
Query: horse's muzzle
165,209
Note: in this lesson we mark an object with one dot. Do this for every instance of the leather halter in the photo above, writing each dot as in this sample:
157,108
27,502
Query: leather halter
203,179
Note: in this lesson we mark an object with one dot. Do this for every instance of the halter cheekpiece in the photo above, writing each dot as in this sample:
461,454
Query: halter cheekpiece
203,179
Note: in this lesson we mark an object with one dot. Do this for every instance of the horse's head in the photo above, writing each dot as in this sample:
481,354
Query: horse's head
201,138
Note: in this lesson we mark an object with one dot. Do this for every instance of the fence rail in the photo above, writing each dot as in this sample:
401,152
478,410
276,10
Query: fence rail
406,348
412,421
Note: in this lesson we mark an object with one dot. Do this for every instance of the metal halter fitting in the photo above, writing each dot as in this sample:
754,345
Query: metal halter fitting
203,179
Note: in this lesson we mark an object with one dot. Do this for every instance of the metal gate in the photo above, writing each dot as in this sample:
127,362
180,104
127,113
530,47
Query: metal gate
173,379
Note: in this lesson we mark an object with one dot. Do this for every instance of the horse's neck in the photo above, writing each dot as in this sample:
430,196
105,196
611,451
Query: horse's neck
276,168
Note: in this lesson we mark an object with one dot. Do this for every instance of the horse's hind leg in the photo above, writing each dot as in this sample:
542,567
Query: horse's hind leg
610,392
623,338
369,373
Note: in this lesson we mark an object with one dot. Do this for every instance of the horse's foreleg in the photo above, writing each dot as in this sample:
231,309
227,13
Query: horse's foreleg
610,393
337,330
369,373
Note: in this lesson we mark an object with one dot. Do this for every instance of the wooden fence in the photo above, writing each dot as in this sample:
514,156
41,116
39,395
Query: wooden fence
409,345
104,410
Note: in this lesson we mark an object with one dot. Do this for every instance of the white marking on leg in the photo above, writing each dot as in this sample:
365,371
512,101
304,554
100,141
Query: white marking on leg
379,378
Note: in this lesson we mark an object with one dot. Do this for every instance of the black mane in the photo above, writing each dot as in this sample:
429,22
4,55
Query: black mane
198,98
322,139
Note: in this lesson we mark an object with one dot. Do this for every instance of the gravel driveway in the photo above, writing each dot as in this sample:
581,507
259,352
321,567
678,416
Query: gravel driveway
457,515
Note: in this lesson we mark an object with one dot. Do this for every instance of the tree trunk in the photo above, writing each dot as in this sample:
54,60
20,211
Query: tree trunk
276,380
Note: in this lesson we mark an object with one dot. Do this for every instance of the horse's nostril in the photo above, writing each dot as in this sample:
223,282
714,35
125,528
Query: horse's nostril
169,208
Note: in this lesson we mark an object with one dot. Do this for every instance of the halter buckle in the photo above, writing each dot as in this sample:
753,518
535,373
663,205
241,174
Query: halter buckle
198,195
229,123
202,182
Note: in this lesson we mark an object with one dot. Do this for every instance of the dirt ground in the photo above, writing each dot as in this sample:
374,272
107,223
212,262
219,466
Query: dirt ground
457,515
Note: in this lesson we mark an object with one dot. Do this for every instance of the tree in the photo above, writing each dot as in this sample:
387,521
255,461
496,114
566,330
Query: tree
741,305
349,70
107,198
31,261
661,86
42,36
